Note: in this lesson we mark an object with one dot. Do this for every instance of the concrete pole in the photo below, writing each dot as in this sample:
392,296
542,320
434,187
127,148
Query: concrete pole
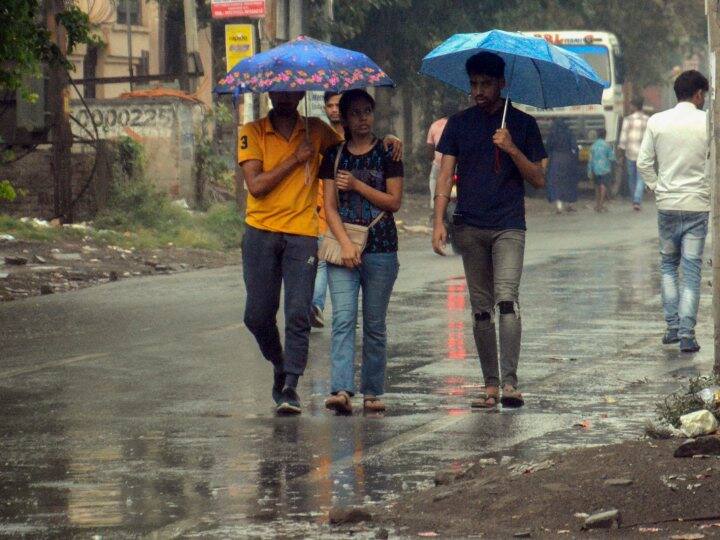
191,39
296,18
129,40
714,48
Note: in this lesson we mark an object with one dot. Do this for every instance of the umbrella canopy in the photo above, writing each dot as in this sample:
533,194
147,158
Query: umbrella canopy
537,73
303,64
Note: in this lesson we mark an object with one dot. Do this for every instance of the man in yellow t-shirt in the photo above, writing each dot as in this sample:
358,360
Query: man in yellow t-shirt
280,159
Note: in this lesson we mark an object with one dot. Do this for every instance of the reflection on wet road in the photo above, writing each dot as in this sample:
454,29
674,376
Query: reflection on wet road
172,436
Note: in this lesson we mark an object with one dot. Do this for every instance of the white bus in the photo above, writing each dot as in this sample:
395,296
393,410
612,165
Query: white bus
602,51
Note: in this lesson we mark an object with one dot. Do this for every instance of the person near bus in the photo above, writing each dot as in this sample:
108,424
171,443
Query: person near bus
633,129
562,169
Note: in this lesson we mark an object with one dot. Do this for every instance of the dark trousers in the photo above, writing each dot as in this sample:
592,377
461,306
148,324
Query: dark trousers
271,260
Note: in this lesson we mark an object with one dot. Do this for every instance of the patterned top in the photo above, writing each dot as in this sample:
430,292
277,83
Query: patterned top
601,158
372,168
633,129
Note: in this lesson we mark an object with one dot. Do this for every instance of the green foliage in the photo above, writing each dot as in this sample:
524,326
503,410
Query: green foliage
131,158
655,35
26,44
7,192
226,223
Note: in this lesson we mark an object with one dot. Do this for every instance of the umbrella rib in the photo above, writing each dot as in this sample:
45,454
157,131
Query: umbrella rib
542,89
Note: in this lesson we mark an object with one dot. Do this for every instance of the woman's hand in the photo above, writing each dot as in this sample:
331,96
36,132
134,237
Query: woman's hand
345,181
350,255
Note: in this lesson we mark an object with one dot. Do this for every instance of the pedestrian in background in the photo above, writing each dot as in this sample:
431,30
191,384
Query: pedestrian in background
363,186
433,139
493,164
633,129
562,169
600,168
676,144
280,246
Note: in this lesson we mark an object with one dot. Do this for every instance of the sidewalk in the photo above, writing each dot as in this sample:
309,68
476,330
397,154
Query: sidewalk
655,494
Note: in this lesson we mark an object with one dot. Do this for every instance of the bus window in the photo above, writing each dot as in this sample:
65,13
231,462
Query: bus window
596,55
619,67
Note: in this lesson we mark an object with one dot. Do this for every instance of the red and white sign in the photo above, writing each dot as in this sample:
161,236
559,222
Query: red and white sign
225,9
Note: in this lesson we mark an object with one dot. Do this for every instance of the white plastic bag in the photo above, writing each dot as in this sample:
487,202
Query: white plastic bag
698,423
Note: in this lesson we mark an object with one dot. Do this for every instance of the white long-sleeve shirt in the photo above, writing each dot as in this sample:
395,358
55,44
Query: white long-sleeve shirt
677,142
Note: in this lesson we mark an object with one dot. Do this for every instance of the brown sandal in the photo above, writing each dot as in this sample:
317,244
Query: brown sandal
511,397
373,404
487,399
340,403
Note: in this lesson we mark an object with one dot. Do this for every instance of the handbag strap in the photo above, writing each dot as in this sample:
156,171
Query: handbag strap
337,191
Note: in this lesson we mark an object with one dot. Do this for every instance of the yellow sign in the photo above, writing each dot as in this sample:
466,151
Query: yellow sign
239,43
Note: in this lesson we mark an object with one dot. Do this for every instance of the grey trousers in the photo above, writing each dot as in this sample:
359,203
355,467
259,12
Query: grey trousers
493,261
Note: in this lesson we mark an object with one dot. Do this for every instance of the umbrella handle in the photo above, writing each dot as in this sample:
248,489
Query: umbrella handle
507,98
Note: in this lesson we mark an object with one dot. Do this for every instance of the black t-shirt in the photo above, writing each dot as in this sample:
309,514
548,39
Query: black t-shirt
372,168
490,197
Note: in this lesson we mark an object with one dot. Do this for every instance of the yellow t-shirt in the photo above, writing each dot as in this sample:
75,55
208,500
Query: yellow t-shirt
291,207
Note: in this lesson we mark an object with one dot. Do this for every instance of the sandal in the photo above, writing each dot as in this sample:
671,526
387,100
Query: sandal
373,404
487,399
340,403
511,397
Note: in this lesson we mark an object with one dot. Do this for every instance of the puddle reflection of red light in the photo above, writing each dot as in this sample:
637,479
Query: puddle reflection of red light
456,297
457,412
456,340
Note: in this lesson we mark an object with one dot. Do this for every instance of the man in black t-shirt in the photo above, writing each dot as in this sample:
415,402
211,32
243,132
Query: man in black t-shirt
493,162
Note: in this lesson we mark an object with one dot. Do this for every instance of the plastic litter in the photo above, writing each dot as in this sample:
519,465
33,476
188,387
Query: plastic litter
710,396
698,423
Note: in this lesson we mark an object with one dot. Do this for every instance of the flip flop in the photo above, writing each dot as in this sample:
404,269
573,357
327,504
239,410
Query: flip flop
511,397
486,399
340,403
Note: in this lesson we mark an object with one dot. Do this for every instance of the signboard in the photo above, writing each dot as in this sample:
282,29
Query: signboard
316,104
239,43
224,9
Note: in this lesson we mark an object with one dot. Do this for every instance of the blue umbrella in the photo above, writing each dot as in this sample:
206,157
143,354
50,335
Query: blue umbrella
303,64
537,73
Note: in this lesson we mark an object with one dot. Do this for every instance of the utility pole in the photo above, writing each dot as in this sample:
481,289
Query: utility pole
60,132
712,6
129,41
191,42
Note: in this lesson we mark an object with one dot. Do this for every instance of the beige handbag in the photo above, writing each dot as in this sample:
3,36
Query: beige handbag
330,249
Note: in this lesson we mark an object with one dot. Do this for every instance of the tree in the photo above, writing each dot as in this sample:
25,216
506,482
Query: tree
26,42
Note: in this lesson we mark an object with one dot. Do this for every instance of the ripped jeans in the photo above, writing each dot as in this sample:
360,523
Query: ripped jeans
682,241
493,262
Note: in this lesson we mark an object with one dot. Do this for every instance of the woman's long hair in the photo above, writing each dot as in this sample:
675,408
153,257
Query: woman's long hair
346,100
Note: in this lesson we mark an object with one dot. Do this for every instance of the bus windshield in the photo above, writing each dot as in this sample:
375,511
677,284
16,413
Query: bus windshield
596,55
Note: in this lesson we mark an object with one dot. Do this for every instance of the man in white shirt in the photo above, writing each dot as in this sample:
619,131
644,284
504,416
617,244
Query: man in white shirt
633,129
677,142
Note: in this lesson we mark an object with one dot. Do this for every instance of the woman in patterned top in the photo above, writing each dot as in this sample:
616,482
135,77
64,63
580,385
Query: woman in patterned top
367,183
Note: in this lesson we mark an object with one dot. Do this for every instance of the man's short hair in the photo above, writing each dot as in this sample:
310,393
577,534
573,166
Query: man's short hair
486,63
328,95
638,103
688,83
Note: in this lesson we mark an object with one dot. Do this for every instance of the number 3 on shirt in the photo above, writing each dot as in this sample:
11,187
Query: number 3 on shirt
243,142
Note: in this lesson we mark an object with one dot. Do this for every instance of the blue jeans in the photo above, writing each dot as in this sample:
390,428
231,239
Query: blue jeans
321,283
636,186
270,260
682,240
375,276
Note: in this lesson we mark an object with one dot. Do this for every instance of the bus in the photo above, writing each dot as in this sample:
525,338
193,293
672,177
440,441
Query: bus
602,51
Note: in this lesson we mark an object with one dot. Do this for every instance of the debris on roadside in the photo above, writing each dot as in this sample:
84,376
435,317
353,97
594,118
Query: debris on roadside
697,423
705,446
342,515
608,519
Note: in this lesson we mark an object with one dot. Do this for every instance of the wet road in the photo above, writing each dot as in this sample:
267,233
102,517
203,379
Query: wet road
142,407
